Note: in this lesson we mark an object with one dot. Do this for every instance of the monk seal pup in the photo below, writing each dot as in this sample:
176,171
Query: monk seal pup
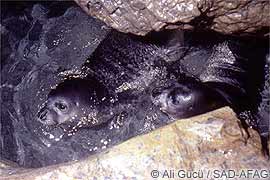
221,83
75,103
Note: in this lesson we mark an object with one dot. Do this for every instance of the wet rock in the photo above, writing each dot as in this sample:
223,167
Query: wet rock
140,17
206,144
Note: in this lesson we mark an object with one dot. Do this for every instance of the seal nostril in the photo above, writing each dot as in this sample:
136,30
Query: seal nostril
156,92
43,115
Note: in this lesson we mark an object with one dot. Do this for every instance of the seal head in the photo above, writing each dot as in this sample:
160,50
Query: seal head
186,98
74,102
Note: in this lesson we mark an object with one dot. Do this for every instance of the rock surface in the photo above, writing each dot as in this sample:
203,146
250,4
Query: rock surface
204,144
140,17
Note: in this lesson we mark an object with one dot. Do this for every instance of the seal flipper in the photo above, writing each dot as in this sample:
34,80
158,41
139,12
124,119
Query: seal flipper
228,75
172,46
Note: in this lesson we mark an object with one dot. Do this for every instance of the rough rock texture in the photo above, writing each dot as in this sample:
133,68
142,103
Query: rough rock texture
213,141
140,17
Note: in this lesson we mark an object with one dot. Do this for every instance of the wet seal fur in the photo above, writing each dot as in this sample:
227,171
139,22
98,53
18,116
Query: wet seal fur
128,66
122,69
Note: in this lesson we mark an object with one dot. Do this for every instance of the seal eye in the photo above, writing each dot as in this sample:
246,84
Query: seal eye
174,96
61,106
179,96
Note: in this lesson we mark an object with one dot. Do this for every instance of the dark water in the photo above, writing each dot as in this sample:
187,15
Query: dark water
43,42
37,44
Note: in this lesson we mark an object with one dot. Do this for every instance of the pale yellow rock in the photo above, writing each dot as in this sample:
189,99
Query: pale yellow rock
143,16
204,145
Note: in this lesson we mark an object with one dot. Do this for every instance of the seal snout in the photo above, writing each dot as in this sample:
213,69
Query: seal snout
159,96
42,114
45,116
156,92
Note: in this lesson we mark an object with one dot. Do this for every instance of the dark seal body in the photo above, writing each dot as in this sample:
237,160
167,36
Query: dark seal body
129,67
